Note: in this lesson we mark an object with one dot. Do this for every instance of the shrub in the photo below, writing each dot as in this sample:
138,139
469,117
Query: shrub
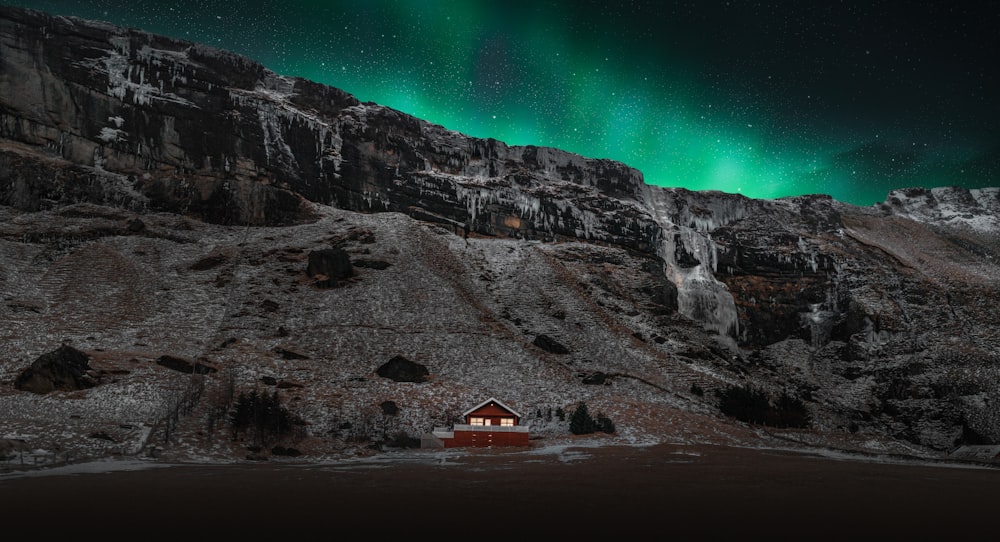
752,406
745,404
262,415
604,424
582,423
790,412
402,440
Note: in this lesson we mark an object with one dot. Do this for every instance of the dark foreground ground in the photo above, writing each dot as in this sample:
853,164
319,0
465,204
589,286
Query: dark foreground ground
652,493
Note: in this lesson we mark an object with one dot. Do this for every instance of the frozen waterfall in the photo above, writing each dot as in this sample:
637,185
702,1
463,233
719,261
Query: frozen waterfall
700,296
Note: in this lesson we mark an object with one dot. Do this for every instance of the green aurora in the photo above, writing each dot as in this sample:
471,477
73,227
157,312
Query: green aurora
771,101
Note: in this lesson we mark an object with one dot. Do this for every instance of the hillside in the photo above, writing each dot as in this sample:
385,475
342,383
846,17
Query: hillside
166,206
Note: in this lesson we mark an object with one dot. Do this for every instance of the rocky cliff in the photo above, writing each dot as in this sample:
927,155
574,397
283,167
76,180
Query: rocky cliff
164,198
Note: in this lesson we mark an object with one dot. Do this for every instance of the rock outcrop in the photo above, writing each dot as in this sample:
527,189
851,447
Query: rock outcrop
185,365
549,344
400,369
329,266
63,369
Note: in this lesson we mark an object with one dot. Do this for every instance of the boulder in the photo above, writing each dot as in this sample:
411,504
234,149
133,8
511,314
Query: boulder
401,369
549,344
596,378
329,266
135,225
185,366
289,354
208,262
63,369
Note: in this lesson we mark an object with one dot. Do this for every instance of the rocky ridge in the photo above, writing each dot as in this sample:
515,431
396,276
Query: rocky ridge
165,198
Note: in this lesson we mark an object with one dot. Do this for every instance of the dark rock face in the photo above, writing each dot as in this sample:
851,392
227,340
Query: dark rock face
185,366
127,110
63,369
401,369
764,262
549,344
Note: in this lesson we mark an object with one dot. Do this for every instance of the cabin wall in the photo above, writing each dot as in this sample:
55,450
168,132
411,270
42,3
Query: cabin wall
483,439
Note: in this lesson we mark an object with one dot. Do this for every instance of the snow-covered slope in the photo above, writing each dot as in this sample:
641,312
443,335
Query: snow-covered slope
977,209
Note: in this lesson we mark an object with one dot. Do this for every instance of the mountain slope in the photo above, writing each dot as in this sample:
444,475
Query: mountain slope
162,198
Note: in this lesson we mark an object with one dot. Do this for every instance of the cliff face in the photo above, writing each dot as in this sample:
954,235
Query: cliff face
109,115
126,147
154,123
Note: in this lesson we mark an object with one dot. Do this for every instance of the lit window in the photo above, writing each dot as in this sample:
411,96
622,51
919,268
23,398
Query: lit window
476,421
507,421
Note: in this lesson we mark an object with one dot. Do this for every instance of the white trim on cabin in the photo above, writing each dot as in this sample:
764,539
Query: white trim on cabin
492,400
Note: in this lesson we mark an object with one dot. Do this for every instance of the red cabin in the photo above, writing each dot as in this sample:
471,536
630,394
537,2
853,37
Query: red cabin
490,423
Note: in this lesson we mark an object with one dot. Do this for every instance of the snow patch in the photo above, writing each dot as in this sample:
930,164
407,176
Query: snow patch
112,135
975,209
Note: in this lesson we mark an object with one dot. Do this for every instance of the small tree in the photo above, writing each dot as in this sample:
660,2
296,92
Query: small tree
262,414
580,422
753,406
745,404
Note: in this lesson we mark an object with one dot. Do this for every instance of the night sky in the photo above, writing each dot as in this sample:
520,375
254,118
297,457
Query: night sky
767,99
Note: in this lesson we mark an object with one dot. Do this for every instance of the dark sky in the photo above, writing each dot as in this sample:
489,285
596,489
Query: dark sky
767,99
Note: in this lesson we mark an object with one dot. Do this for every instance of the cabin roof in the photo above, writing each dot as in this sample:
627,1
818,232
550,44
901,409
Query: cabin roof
498,402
